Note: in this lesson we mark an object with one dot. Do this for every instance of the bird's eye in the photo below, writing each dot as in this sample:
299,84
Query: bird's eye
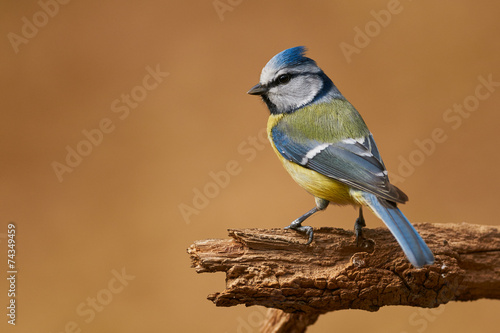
284,78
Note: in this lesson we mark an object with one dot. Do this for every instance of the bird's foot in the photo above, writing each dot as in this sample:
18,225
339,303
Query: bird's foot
358,231
296,225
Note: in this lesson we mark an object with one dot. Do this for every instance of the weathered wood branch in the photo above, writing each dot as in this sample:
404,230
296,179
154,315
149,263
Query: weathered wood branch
273,268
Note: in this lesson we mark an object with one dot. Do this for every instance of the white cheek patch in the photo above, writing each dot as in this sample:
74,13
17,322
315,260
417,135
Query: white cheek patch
313,152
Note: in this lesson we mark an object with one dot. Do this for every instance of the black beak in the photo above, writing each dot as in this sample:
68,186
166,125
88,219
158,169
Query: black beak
258,89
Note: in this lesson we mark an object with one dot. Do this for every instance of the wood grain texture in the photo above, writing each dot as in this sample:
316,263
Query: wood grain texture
273,268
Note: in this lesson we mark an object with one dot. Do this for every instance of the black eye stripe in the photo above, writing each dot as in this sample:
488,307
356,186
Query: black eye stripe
276,82
284,78
279,79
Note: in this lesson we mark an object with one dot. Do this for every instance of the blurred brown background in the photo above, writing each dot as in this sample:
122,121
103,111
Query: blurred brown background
118,212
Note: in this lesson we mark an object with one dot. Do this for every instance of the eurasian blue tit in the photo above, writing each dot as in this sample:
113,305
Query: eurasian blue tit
326,147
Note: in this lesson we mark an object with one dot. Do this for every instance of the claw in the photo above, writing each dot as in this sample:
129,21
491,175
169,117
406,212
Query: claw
358,227
321,204
358,230
310,233
295,225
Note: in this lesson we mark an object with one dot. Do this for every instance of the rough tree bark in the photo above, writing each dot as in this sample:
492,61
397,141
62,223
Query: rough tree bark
273,268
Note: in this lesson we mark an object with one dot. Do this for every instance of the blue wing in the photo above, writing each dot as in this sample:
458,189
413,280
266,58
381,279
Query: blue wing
355,162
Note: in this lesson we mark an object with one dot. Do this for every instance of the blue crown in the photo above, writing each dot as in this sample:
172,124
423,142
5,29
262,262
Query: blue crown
289,57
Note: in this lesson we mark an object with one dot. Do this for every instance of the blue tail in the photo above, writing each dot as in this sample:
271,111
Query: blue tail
417,252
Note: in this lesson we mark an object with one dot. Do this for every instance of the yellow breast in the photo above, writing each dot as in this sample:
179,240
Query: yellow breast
313,182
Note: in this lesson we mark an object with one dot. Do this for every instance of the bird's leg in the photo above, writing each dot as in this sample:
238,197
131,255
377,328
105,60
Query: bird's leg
321,204
297,225
358,227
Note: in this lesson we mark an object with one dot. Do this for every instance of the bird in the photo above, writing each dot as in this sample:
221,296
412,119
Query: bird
326,147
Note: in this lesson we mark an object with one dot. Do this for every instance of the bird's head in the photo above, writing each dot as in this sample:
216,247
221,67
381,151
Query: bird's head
290,81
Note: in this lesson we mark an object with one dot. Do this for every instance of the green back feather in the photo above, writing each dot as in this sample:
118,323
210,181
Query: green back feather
326,122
